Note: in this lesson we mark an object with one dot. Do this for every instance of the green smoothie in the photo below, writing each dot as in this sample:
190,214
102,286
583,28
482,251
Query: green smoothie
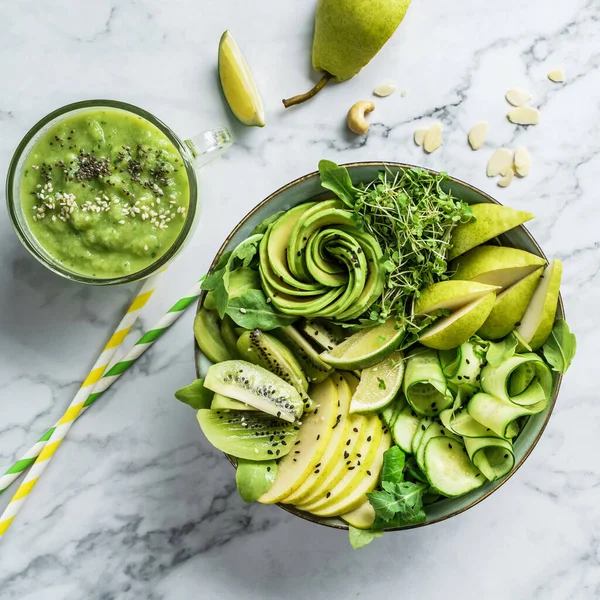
105,192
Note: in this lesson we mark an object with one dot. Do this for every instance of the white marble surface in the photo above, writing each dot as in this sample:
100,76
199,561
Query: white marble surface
136,504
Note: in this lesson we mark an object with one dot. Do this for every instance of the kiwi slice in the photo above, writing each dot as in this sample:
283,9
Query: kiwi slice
315,369
255,386
326,335
207,331
225,403
267,351
248,435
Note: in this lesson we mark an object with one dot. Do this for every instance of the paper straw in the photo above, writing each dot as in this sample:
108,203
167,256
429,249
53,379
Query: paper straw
63,426
115,341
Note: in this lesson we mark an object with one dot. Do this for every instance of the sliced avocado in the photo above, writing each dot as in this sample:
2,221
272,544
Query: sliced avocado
267,351
220,402
254,478
207,332
312,365
229,336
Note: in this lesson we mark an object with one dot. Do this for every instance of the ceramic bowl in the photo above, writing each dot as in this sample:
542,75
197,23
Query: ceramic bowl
307,187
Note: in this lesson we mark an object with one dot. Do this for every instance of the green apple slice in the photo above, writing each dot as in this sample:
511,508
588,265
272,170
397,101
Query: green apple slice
510,307
378,385
315,432
450,295
452,331
365,348
496,265
536,323
238,85
490,221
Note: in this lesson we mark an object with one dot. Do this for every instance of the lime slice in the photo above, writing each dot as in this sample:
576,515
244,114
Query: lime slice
365,348
238,85
378,385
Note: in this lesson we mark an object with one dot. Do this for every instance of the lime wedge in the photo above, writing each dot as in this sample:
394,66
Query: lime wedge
365,348
238,85
378,385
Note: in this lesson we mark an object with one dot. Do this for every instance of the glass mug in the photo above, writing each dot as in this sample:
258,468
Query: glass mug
195,153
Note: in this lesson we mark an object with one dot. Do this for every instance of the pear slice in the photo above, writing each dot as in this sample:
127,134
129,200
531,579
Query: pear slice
362,517
510,307
315,432
452,331
495,265
450,295
238,85
490,221
536,323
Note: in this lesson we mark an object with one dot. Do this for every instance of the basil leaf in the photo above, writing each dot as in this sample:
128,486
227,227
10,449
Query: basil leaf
251,310
392,471
264,225
195,395
560,348
337,179
362,537
499,352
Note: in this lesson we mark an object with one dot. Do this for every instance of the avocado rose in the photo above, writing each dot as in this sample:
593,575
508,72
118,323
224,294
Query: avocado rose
314,261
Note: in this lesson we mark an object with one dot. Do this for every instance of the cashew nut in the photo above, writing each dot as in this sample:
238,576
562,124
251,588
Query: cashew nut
356,117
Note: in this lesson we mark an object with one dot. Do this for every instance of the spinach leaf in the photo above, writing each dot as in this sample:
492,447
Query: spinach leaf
499,352
218,280
362,537
398,504
560,348
393,465
264,225
337,179
195,394
251,310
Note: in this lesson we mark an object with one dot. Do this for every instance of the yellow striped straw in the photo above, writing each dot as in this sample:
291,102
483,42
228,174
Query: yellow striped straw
62,427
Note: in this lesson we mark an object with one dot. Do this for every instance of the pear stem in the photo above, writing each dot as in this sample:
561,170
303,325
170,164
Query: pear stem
310,94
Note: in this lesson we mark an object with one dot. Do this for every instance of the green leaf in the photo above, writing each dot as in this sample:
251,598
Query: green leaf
499,352
560,348
393,465
362,537
264,225
399,504
212,280
414,471
337,179
195,395
251,310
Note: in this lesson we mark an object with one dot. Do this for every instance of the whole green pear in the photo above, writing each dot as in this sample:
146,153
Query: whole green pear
348,34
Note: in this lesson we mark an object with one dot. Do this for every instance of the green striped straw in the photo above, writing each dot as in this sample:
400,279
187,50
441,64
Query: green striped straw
107,379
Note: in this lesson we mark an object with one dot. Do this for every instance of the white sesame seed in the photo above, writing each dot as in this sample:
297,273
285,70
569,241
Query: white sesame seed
243,311
122,222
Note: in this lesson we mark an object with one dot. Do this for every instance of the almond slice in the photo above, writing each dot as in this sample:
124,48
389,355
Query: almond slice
557,75
524,115
508,177
517,97
433,138
478,134
522,161
500,162
386,88
419,136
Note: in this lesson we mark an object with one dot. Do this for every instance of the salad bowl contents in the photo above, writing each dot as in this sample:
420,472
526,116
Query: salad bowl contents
381,355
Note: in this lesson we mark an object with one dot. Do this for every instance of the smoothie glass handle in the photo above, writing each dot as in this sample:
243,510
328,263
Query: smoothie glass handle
208,145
